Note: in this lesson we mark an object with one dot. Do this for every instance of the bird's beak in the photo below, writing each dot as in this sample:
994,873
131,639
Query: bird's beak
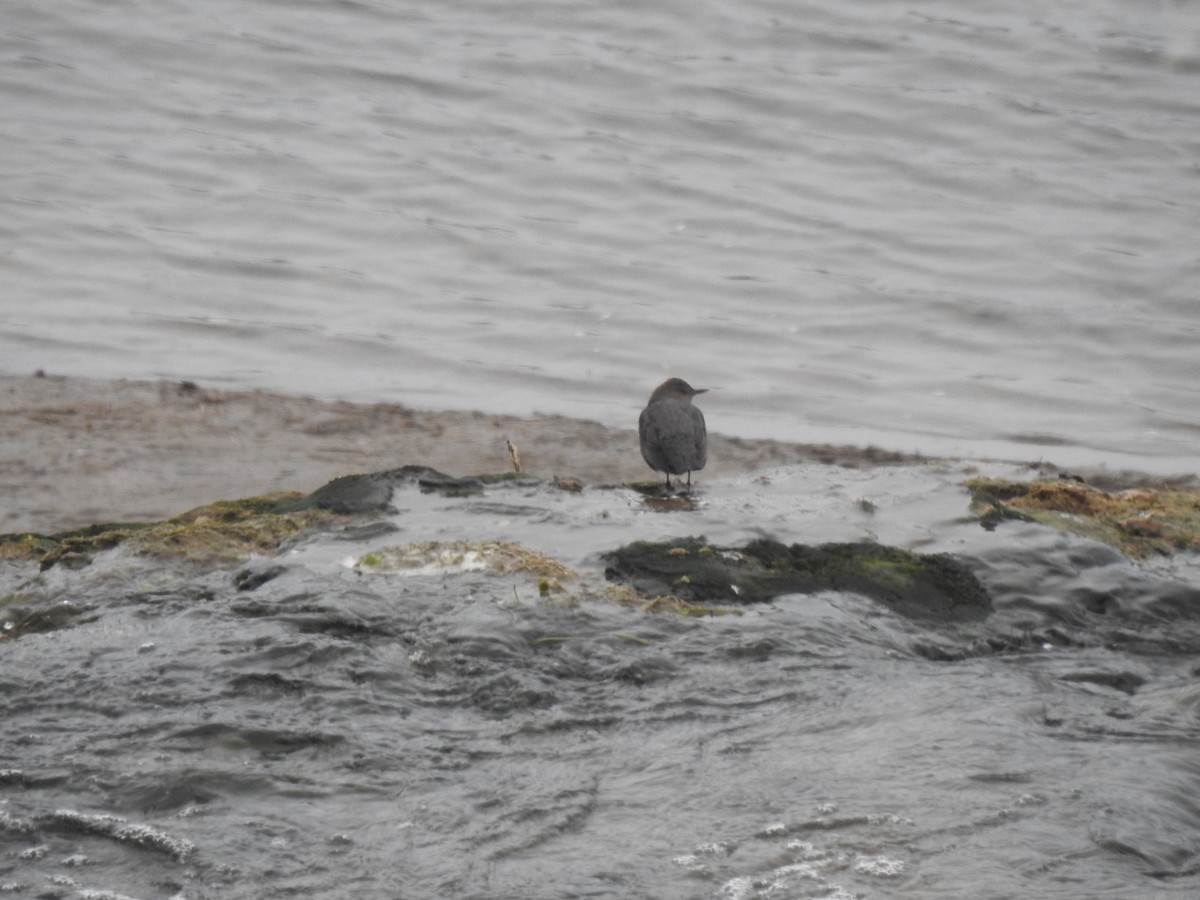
699,390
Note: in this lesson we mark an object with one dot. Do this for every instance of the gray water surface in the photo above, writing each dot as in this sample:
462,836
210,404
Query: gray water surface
957,229
342,733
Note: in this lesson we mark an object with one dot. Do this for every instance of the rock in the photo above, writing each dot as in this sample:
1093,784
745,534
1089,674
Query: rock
1140,522
919,586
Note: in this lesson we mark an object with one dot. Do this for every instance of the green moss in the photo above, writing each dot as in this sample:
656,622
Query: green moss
240,510
890,574
25,546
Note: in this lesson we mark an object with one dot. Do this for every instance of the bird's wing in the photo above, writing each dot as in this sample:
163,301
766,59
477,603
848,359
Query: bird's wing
700,433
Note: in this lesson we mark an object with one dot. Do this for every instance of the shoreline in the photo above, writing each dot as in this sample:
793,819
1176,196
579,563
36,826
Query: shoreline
77,451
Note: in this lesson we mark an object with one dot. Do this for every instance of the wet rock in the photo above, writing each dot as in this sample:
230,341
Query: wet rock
1125,682
352,494
660,498
372,492
910,584
252,578
19,619
433,481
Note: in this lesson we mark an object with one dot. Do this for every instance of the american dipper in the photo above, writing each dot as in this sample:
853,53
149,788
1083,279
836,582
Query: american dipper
672,431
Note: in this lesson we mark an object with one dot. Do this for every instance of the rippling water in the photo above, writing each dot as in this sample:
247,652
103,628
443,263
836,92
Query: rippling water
958,229
339,733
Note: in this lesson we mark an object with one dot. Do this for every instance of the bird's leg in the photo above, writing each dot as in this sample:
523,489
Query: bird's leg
668,481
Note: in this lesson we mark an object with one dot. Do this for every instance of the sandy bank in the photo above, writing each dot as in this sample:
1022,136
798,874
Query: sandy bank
75,451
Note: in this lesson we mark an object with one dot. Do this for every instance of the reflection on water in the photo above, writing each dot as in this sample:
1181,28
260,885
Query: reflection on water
954,230
348,733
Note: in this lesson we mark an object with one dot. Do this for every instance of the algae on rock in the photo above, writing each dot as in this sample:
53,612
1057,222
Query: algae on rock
221,532
1138,522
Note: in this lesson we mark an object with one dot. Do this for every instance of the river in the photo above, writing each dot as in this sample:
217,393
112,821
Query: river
337,731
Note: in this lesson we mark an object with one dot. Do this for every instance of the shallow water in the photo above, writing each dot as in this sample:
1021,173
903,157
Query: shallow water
961,230
360,734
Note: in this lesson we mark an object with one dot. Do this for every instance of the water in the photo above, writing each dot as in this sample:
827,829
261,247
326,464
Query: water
344,734
961,230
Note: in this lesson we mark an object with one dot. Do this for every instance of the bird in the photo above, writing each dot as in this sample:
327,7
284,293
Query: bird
671,430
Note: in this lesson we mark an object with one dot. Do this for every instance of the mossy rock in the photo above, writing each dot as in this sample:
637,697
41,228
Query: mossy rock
1140,522
914,585
221,532
230,530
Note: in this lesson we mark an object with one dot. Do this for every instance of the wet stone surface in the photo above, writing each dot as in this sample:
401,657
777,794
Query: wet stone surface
934,587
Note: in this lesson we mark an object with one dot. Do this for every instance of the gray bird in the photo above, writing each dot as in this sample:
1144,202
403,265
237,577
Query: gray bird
672,431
